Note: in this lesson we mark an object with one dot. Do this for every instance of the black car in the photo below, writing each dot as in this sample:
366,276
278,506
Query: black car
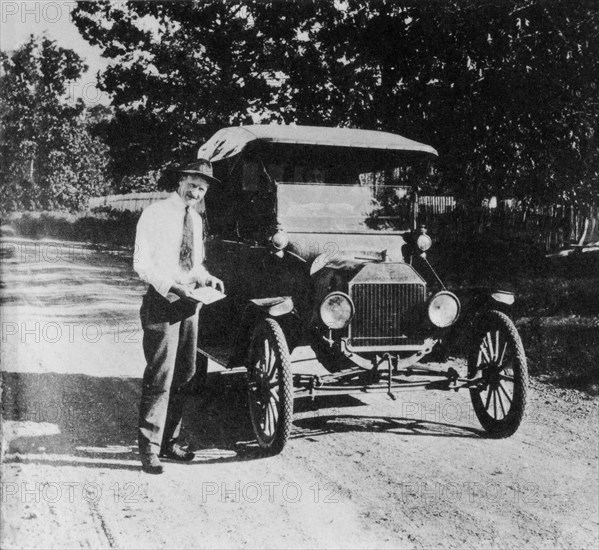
314,232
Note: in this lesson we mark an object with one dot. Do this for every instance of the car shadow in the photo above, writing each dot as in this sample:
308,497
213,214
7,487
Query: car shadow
319,426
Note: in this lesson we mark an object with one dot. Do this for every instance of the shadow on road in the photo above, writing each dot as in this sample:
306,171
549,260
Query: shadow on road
323,425
97,419
96,416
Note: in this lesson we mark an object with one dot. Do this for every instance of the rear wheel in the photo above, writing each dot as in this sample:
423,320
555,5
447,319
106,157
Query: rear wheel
270,386
498,360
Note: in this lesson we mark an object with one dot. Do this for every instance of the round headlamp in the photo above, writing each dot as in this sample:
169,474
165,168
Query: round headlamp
280,239
424,242
336,310
443,309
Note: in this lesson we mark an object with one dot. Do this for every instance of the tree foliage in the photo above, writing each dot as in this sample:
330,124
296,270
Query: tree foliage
49,158
507,91
182,70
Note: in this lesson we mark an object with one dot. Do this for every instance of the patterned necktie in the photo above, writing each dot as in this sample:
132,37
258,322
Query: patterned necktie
186,252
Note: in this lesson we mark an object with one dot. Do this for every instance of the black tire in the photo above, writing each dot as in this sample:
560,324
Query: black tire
270,386
497,357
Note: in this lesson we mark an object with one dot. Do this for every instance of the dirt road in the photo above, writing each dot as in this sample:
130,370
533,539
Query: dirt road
358,472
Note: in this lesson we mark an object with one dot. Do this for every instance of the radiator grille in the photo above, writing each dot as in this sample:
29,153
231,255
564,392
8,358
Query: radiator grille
385,314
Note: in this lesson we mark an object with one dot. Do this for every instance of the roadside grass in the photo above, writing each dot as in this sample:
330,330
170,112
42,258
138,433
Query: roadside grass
564,352
556,308
559,310
103,226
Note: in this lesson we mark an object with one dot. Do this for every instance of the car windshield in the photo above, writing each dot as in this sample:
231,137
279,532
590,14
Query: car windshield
322,207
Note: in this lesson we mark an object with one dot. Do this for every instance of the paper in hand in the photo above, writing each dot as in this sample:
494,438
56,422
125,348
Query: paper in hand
206,295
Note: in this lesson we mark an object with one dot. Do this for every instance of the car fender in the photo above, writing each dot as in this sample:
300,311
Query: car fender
279,307
484,299
476,302
275,306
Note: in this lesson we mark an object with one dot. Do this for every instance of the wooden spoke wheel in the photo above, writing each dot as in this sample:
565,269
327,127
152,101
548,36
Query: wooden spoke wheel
497,358
270,386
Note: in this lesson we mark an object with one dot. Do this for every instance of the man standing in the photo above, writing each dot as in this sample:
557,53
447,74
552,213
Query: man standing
168,256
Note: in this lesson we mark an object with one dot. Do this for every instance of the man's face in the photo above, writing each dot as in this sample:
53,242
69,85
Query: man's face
192,188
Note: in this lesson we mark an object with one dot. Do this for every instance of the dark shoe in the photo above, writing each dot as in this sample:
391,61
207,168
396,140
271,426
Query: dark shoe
150,463
177,453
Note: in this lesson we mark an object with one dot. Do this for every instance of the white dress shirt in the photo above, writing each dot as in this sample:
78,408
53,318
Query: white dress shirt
158,243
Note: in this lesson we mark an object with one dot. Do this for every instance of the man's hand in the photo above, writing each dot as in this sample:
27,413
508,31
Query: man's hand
216,283
182,291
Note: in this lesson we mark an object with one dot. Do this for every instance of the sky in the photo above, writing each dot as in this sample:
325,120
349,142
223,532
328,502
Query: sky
21,18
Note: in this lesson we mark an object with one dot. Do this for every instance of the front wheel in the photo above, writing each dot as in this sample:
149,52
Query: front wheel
270,386
498,361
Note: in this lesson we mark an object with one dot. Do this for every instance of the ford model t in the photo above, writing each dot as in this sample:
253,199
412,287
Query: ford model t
315,233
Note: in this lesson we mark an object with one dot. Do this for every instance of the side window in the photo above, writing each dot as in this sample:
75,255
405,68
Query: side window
256,208
251,176
220,201
276,171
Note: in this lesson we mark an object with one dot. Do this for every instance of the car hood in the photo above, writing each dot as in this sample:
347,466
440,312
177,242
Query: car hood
343,251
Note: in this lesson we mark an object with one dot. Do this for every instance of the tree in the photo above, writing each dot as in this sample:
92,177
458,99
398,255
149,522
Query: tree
49,158
182,70
505,90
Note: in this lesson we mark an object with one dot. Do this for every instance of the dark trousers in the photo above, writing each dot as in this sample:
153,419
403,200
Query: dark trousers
169,344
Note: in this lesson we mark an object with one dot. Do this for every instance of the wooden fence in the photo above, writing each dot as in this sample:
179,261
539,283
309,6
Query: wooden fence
131,201
134,202
549,228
